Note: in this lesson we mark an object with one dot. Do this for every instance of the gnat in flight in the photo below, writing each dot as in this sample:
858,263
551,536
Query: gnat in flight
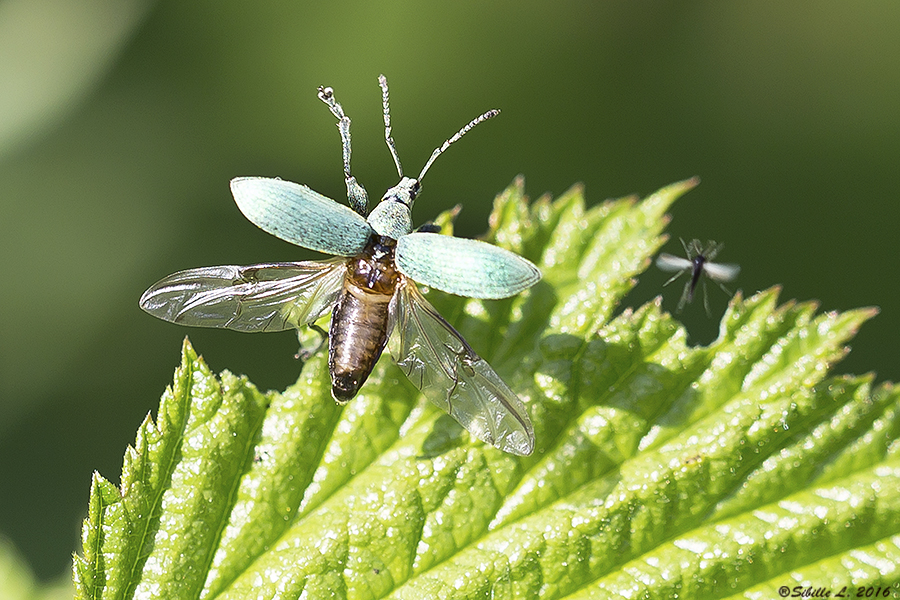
698,262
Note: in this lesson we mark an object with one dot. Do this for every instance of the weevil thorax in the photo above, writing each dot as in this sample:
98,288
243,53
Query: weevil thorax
392,217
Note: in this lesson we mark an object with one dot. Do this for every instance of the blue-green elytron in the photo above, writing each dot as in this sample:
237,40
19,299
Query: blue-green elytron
370,286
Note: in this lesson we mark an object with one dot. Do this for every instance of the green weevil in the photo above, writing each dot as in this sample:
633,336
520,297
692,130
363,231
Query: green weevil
370,288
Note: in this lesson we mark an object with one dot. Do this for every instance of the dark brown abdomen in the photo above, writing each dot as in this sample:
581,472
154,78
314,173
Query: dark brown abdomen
360,318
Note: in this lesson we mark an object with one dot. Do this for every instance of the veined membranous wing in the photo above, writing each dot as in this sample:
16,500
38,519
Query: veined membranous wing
264,297
439,362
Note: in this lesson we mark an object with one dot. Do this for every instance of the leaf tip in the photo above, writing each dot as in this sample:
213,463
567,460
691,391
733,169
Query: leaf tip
188,354
870,312
576,188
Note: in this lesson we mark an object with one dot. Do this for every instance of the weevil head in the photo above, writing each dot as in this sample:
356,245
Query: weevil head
393,216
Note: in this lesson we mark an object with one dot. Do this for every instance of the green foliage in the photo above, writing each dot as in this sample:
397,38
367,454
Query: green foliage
659,470
18,583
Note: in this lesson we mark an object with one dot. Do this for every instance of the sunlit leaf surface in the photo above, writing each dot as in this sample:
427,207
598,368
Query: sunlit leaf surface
660,470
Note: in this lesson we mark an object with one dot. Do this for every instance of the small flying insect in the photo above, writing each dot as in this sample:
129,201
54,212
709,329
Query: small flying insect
697,263
369,287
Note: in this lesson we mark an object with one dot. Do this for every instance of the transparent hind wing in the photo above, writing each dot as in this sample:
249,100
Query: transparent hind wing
450,374
264,297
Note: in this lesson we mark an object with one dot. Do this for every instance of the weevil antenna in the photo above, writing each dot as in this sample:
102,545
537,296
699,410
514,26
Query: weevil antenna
440,149
382,81
326,95
356,193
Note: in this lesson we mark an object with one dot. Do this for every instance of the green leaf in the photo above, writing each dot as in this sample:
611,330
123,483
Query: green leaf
18,583
16,580
660,469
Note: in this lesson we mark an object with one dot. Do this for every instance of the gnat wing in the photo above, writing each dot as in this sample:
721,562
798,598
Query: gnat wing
444,367
266,297
668,262
301,216
720,271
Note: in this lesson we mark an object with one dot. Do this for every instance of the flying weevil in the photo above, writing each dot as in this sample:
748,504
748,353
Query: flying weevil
369,287
698,262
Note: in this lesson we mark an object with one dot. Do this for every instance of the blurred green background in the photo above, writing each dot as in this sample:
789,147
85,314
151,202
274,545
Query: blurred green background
122,121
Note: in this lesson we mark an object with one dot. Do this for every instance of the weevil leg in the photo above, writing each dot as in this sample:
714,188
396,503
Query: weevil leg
356,193
306,352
